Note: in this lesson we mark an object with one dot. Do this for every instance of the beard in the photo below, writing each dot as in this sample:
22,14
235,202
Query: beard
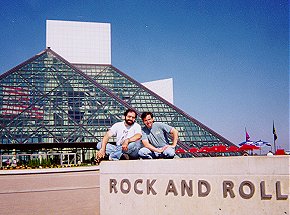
129,122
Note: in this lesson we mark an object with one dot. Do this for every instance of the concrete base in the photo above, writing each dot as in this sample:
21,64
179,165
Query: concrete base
222,185
50,191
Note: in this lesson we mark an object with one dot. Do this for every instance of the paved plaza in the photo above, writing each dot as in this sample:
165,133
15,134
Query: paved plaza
50,191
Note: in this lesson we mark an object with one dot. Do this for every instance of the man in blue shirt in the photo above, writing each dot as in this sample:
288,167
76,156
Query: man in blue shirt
155,138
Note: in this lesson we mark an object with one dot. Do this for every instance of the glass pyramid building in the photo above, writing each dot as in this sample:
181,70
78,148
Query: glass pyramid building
48,102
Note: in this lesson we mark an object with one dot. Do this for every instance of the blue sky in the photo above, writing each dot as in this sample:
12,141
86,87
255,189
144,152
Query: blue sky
229,59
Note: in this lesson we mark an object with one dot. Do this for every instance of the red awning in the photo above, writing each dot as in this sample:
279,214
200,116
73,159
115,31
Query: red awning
280,152
247,147
193,150
232,149
180,151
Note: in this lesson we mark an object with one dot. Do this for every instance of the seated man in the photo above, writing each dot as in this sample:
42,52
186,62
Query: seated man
155,138
127,133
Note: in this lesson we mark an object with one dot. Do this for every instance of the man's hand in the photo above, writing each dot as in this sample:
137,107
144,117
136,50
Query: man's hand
125,145
160,150
101,154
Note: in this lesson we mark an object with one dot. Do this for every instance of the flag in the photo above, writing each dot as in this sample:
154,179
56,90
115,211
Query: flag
247,136
274,132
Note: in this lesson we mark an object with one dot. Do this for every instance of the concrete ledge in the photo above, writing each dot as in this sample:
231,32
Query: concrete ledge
250,165
222,185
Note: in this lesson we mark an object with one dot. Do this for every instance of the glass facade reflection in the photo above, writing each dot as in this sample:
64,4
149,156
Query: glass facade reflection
48,100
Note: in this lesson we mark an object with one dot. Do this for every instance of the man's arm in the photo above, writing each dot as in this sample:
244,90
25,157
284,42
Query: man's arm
130,140
174,134
102,152
135,137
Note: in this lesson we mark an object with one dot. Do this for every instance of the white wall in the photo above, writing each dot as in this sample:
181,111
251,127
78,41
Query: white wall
163,88
80,42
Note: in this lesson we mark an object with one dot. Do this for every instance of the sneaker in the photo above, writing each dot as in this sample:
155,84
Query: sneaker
113,159
125,157
98,160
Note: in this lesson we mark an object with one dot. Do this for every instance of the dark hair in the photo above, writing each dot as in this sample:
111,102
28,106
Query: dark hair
144,114
130,110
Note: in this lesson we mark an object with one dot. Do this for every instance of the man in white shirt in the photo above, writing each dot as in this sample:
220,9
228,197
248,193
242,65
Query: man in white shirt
127,133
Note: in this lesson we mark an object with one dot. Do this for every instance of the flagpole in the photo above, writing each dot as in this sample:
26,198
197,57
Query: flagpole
275,137
274,146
